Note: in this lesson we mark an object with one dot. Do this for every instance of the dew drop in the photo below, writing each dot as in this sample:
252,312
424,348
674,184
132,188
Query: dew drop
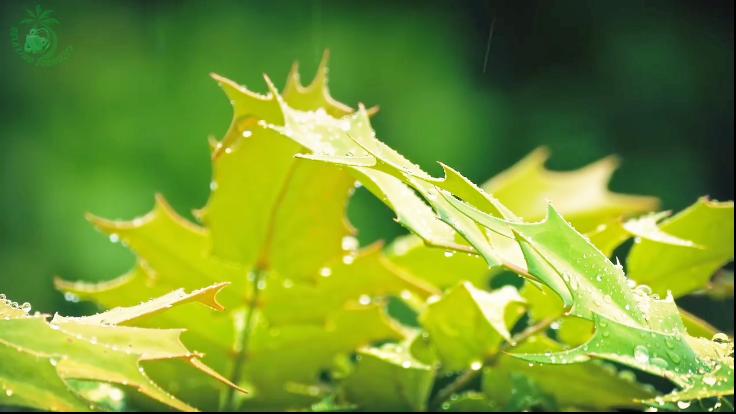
213,185
641,354
25,307
476,365
364,300
406,364
627,375
325,272
674,357
247,133
349,243
348,259
449,253
643,290
709,380
683,405
70,297
668,342
114,238
659,362
9,392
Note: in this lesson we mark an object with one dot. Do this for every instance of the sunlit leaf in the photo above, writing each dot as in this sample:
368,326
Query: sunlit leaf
275,227
681,269
39,355
581,196
467,324
592,385
389,378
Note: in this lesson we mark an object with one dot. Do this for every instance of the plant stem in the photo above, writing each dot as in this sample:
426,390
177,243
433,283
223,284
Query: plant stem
244,339
468,376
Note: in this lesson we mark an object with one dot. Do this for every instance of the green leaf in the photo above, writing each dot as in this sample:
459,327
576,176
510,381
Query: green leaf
441,268
40,356
389,378
305,296
607,236
590,286
631,327
526,395
275,227
469,402
592,385
682,269
468,324
581,196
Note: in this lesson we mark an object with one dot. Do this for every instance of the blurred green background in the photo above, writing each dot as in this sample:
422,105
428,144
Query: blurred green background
129,113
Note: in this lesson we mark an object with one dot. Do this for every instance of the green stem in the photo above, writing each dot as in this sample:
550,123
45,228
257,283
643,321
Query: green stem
243,339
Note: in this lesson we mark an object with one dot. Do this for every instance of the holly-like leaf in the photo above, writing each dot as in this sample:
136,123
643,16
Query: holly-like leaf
684,269
275,227
305,296
590,286
631,326
468,324
40,356
581,196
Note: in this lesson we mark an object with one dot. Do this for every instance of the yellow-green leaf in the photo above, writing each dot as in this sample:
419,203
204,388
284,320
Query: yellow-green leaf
683,269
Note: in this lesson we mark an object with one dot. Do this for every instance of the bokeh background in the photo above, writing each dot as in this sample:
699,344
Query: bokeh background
129,113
